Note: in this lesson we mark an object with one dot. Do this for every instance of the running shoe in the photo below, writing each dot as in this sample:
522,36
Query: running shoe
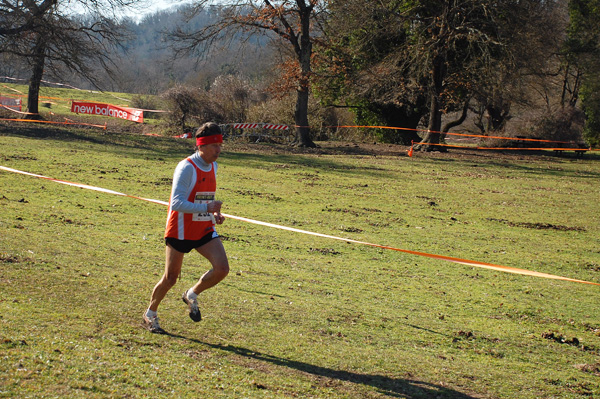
193,307
151,324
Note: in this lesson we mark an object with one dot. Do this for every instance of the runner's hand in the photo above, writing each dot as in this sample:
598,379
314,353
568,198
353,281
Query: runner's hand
214,207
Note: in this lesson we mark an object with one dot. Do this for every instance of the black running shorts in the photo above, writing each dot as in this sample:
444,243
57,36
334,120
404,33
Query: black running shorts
186,246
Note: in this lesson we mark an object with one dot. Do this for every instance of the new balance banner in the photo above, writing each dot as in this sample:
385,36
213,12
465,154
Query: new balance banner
131,114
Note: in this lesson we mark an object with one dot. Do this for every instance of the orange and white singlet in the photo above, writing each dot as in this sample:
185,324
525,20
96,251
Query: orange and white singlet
193,222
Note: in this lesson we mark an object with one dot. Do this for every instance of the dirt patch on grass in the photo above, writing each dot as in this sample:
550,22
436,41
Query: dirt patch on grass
10,258
538,226
589,368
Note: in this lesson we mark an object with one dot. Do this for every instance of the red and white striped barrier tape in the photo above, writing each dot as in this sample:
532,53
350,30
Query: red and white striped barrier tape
472,263
245,125
242,126
259,125
276,127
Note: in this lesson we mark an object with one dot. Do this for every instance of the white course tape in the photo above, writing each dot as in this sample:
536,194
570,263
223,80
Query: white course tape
473,263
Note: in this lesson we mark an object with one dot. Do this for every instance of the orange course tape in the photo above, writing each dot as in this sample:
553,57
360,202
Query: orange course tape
54,122
510,148
453,134
472,263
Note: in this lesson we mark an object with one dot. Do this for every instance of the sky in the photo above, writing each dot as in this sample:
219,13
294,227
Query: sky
153,6
136,13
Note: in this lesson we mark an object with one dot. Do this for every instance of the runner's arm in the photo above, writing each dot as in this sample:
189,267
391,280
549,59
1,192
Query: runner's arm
182,181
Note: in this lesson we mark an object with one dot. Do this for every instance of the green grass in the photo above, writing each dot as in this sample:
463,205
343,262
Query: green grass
298,316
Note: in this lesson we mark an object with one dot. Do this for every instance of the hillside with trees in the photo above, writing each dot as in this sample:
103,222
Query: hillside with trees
519,69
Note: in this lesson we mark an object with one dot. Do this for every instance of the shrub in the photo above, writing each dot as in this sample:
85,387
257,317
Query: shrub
147,103
564,124
233,95
189,108
561,124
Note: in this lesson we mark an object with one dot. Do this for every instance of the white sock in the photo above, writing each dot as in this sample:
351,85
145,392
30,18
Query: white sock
191,295
150,314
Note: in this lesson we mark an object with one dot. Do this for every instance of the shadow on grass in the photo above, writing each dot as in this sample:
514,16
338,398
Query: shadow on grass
395,387
299,161
534,164
164,146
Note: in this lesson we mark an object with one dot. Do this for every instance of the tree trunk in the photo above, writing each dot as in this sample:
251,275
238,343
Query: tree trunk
432,136
38,61
434,126
304,54
301,118
497,116
457,122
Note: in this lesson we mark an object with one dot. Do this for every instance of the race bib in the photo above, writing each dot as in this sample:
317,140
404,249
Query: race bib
204,198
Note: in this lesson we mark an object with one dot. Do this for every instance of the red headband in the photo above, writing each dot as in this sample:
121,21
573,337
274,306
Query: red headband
215,138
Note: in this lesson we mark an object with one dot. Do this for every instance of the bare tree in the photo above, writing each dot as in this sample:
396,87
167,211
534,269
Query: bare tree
294,22
532,70
21,17
233,94
53,41
450,45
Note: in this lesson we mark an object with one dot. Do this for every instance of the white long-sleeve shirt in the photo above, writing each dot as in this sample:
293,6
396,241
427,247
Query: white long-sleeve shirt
183,182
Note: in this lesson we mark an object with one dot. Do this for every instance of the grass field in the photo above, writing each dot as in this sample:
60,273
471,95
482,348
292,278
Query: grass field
299,316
